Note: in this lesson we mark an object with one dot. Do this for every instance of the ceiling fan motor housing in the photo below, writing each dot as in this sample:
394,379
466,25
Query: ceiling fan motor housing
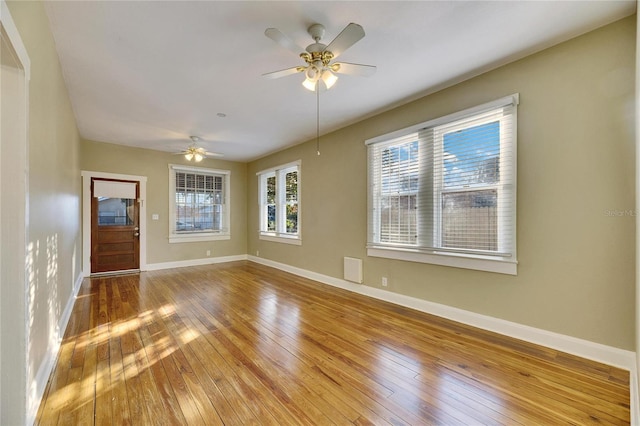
315,47
316,31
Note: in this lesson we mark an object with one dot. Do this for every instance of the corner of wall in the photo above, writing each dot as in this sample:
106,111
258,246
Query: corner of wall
635,378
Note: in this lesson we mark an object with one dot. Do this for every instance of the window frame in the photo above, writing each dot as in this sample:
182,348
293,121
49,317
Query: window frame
198,236
280,234
507,263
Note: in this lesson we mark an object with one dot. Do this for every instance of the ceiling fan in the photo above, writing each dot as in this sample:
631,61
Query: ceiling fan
195,153
318,57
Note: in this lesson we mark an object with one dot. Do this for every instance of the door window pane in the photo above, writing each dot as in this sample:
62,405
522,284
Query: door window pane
115,211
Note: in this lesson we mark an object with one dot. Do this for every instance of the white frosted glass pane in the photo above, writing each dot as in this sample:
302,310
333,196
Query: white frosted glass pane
112,189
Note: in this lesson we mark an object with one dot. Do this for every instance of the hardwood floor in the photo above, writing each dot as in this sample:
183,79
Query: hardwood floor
240,343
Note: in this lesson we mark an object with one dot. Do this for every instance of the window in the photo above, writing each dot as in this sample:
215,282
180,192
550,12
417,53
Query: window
443,191
279,199
199,204
116,201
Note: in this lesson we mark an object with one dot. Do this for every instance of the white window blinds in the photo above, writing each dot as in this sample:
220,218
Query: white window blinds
447,185
396,184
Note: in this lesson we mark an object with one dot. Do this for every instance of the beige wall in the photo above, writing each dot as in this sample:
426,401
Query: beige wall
110,158
54,239
575,163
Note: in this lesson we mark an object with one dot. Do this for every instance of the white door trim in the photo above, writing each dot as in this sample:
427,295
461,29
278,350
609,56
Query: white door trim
16,41
86,216
20,398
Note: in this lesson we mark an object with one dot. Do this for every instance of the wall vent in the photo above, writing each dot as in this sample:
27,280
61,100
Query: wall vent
353,269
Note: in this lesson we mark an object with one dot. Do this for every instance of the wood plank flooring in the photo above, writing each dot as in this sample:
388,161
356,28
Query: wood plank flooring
240,343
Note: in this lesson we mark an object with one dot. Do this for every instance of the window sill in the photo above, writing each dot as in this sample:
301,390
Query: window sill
479,263
197,237
281,239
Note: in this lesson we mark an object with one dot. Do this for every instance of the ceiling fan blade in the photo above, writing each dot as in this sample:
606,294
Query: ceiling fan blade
353,69
284,41
347,38
283,73
213,154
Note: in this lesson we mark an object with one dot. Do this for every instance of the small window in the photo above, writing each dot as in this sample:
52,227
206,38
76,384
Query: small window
443,191
199,204
279,200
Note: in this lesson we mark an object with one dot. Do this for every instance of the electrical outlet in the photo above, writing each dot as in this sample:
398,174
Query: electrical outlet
384,281
208,252
257,253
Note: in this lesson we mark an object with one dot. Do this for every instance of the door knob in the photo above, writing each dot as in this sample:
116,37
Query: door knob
136,234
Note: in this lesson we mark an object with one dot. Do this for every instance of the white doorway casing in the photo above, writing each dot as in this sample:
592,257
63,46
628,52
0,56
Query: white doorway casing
17,394
86,216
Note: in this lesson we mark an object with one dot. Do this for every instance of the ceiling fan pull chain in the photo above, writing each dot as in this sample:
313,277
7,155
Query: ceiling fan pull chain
318,118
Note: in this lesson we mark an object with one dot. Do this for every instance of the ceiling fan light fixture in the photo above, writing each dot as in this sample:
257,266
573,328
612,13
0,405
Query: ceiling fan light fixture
193,153
197,153
309,84
312,74
329,78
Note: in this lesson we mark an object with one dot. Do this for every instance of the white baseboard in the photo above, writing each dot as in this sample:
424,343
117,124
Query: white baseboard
37,387
583,348
194,262
634,395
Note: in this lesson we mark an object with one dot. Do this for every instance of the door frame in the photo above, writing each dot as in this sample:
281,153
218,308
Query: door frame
97,229
22,392
86,216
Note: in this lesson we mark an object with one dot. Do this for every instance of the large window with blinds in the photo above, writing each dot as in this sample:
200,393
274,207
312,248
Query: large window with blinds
199,204
279,201
444,191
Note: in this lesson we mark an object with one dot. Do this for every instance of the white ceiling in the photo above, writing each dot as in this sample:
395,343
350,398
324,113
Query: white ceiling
149,74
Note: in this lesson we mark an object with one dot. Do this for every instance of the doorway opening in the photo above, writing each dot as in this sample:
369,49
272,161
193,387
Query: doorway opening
115,226
113,223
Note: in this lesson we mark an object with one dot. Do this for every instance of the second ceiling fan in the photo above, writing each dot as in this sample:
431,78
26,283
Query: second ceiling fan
196,153
319,68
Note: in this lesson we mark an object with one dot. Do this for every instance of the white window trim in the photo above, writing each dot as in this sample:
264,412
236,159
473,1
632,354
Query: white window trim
456,260
502,265
225,234
279,236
